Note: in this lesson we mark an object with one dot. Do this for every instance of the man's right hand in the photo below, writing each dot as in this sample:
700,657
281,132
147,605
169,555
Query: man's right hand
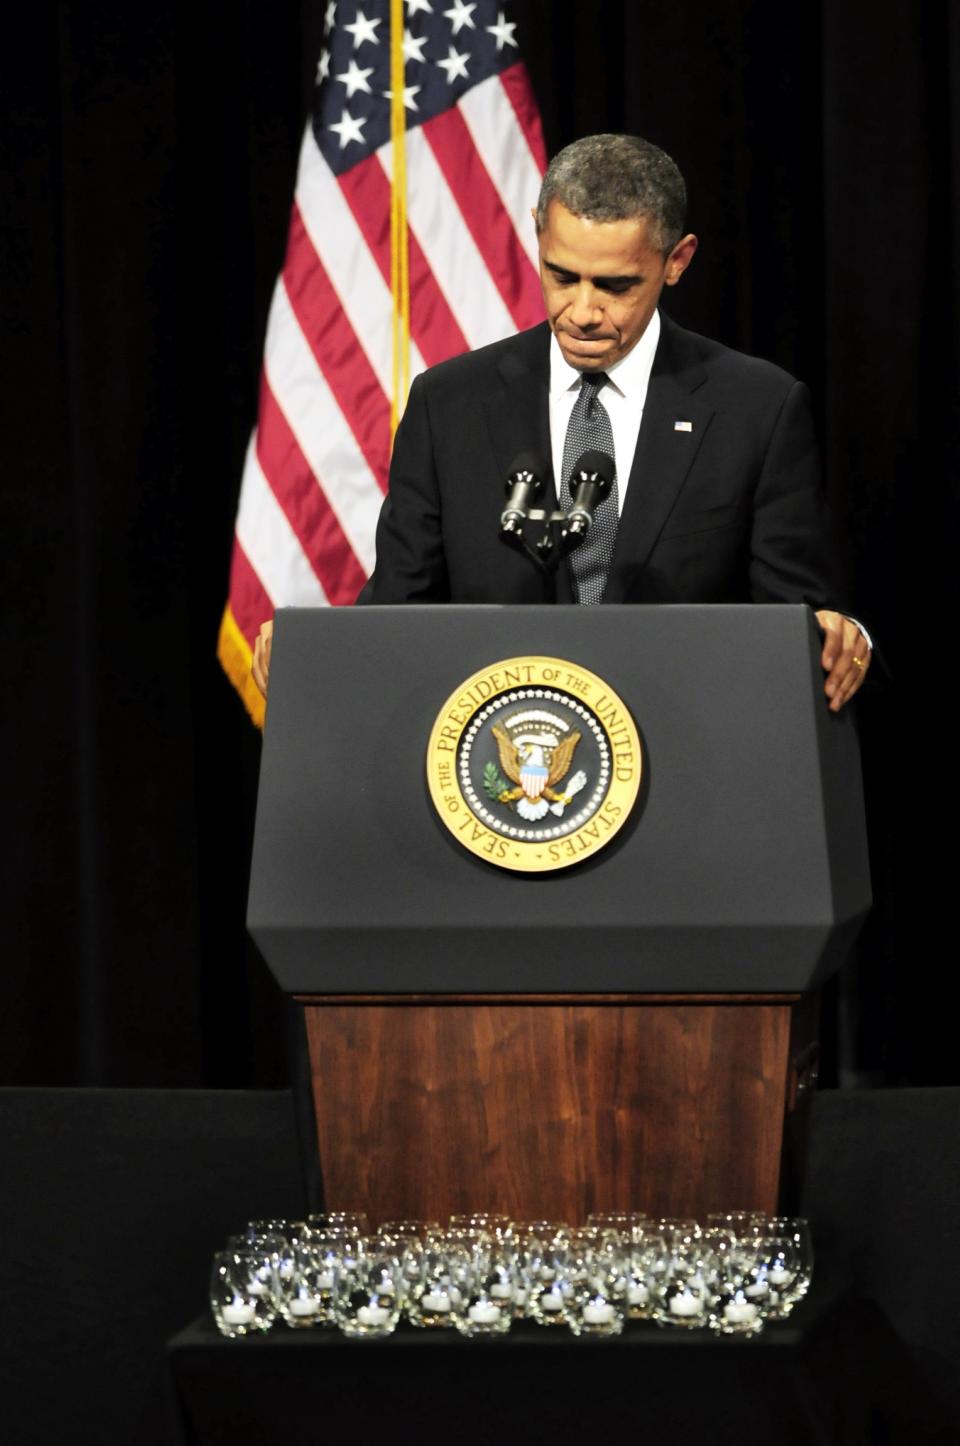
260,668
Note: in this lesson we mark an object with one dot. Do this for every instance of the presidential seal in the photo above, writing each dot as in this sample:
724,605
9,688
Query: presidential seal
534,764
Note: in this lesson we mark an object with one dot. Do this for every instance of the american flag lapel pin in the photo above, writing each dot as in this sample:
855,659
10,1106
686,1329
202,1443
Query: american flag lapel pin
683,426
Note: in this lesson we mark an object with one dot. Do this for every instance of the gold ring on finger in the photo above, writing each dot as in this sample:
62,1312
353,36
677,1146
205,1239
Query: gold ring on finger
859,662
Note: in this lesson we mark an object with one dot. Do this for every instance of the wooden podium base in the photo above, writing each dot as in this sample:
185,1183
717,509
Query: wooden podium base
555,1106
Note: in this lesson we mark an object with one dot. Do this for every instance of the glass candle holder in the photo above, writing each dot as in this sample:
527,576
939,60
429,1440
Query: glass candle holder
300,1295
685,1285
649,1257
408,1250
733,1312
784,1277
537,1243
366,1292
331,1248
549,1291
597,1276
743,1295
739,1223
685,1299
549,1304
271,1252
796,1230
486,1294
240,1305
441,1279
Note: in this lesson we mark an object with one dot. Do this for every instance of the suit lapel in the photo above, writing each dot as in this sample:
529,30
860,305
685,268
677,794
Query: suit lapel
517,416
517,412
664,455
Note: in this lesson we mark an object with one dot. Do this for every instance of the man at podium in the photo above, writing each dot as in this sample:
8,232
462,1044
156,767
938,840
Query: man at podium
715,489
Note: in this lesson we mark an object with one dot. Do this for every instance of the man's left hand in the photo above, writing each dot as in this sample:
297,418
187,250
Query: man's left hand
845,658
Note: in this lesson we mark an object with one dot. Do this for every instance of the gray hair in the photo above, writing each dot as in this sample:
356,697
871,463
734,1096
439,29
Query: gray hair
614,178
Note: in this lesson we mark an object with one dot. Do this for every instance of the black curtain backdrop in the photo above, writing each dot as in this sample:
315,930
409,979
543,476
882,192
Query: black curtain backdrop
148,159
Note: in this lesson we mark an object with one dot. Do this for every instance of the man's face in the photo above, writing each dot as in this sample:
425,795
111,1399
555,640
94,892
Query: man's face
601,283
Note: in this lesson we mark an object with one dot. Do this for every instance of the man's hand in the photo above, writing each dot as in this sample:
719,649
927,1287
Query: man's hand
260,668
845,658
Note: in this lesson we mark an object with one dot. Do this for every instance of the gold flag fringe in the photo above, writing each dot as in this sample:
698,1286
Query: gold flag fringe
235,656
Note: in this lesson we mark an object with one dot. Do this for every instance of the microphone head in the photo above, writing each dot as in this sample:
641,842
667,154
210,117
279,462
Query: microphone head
600,463
525,462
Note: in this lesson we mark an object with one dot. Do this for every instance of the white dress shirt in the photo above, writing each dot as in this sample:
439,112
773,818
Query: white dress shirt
624,397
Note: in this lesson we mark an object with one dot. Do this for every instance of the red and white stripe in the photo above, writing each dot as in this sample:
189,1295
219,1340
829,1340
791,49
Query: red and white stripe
318,461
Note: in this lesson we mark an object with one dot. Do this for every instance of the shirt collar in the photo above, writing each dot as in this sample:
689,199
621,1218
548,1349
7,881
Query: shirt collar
630,375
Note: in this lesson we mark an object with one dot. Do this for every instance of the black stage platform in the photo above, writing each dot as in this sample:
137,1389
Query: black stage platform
834,1375
113,1201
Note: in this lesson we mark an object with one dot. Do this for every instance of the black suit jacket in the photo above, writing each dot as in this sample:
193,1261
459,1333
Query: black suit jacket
729,510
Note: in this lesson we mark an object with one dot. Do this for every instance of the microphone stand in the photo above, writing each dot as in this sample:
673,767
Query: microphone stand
549,548
560,532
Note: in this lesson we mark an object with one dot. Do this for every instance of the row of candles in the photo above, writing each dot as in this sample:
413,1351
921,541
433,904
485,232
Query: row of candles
733,1273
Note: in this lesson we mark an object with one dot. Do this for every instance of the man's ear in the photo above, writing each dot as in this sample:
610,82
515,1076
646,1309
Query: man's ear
679,259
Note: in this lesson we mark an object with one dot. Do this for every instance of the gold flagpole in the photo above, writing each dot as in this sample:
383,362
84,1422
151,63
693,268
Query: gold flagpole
399,249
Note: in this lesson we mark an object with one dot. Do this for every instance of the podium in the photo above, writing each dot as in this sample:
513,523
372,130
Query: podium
633,1031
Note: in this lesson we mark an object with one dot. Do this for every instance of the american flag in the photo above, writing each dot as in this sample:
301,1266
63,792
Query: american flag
410,241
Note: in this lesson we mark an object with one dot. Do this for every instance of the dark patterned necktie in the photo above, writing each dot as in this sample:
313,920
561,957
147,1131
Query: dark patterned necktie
589,428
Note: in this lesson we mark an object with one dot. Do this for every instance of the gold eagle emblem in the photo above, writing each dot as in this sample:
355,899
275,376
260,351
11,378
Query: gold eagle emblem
535,762
514,755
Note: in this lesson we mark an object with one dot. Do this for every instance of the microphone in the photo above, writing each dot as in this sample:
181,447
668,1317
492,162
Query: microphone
522,486
590,481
